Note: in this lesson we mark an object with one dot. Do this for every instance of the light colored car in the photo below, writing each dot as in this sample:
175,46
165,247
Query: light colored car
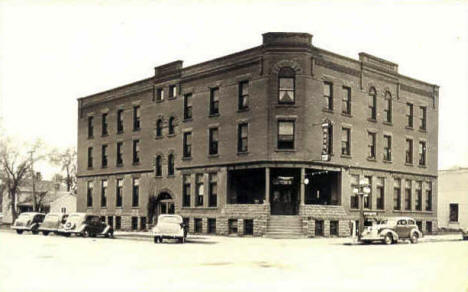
390,230
86,225
28,221
53,222
169,227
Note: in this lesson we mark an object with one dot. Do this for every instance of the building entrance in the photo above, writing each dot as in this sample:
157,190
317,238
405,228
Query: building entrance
284,199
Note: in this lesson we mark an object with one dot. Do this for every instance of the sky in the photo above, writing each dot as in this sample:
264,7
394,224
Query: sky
53,52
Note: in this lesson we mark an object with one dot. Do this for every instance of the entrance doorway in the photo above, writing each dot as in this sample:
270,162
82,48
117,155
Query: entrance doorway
284,199
162,204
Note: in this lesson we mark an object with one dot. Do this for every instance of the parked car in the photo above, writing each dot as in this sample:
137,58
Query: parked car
169,227
86,225
390,230
53,222
28,221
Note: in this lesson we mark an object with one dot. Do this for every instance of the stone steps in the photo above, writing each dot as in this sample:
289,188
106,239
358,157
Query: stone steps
284,227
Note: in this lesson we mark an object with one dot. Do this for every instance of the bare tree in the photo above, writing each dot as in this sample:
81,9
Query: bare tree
66,159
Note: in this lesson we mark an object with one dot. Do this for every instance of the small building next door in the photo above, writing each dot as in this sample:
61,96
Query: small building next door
284,199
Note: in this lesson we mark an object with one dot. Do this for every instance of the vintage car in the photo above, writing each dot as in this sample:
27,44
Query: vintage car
53,222
390,230
169,226
28,221
86,225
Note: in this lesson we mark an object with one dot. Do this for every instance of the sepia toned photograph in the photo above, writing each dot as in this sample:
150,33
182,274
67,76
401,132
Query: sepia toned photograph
233,146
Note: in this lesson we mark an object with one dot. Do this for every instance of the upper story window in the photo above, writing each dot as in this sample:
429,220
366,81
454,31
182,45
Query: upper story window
104,125
243,95
90,127
158,165
136,151
453,212
159,94
187,150
136,118
346,108
328,95
286,134
422,118
371,145
172,91
104,194
89,194
136,192
104,156
372,104
159,128
171,126
214,101
120,124
422,153
397,194
387,148
188,106
213,142
367,200
409,151
346,141
242,137
328,140
428,196
409,115
119,157
119,192
388,107
90,157
170,164
286,85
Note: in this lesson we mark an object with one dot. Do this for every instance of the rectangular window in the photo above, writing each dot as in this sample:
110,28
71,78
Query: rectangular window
120,124
248,227
213,190
428,227
453,212
136,192
104,125
422,118
199,189
346,141
186,190
422,153
159,94
198,225
104,156
408,195
397,194
380,193
90,157
118,222
243,95
187,145
334,228
319,227
187,106
172,91
232,226
372,106
142,223
285,134
371,145
136,118
418,196
186,221
211,226
214,101
134,223
136,151
409,115
387,148
328,95
242,137
286,90
110,221
89,194
329,138
104,194
90,127
119,157
388,110
119,193
213,143
409,151
354,197
368,198
346,108
428,196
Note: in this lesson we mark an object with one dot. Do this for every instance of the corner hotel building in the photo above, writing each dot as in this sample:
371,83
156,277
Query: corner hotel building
267,141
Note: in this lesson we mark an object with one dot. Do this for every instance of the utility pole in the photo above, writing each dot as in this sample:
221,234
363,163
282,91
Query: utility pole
34,199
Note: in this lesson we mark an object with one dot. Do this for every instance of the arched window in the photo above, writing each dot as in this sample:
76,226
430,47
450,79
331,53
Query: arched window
159,128
158,165
372,104
388,107
170,164
286,85
171,126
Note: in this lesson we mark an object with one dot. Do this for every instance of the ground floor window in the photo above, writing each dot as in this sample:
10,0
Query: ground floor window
143,223
110,221
322,188
419,224
232,225
248,226
198,225
186,221
453,212
134,223
334,228
428,227
103,219
211,225
118,222
246,186
318,227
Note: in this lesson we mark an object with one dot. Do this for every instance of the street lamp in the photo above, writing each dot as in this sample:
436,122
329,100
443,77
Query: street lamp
362,190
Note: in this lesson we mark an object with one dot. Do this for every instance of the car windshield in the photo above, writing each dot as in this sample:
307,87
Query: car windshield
51,218
169,219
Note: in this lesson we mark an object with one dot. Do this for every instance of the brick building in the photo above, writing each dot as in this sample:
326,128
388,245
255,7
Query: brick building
229,143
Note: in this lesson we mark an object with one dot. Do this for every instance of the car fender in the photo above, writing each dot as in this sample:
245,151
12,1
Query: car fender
384,231
82,227
417,231
106,230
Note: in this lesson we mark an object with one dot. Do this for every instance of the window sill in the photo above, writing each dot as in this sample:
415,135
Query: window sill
241,110
187,158
136,163
327,110
159,100
135,207
104,135
285,105
243,153
172,97
213,115
158,177
171,135
409,164
422,166
454,222
346,156
90,137
409,128
187,120
137,130
119,165
105,207
285,150
371,159
120,132
372,120
171,176
104,166
422,130
348,115
388,123
213,155
119,207
158,137
90,168
387,161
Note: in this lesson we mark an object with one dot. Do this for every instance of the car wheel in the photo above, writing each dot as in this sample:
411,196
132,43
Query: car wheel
34,232
66,234
155,239
85,233
414,238
45,233
388,239
19,231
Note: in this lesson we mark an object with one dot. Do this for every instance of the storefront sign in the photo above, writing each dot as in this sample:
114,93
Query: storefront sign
283,180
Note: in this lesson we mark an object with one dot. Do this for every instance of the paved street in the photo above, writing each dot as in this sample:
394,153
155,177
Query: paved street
53,263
